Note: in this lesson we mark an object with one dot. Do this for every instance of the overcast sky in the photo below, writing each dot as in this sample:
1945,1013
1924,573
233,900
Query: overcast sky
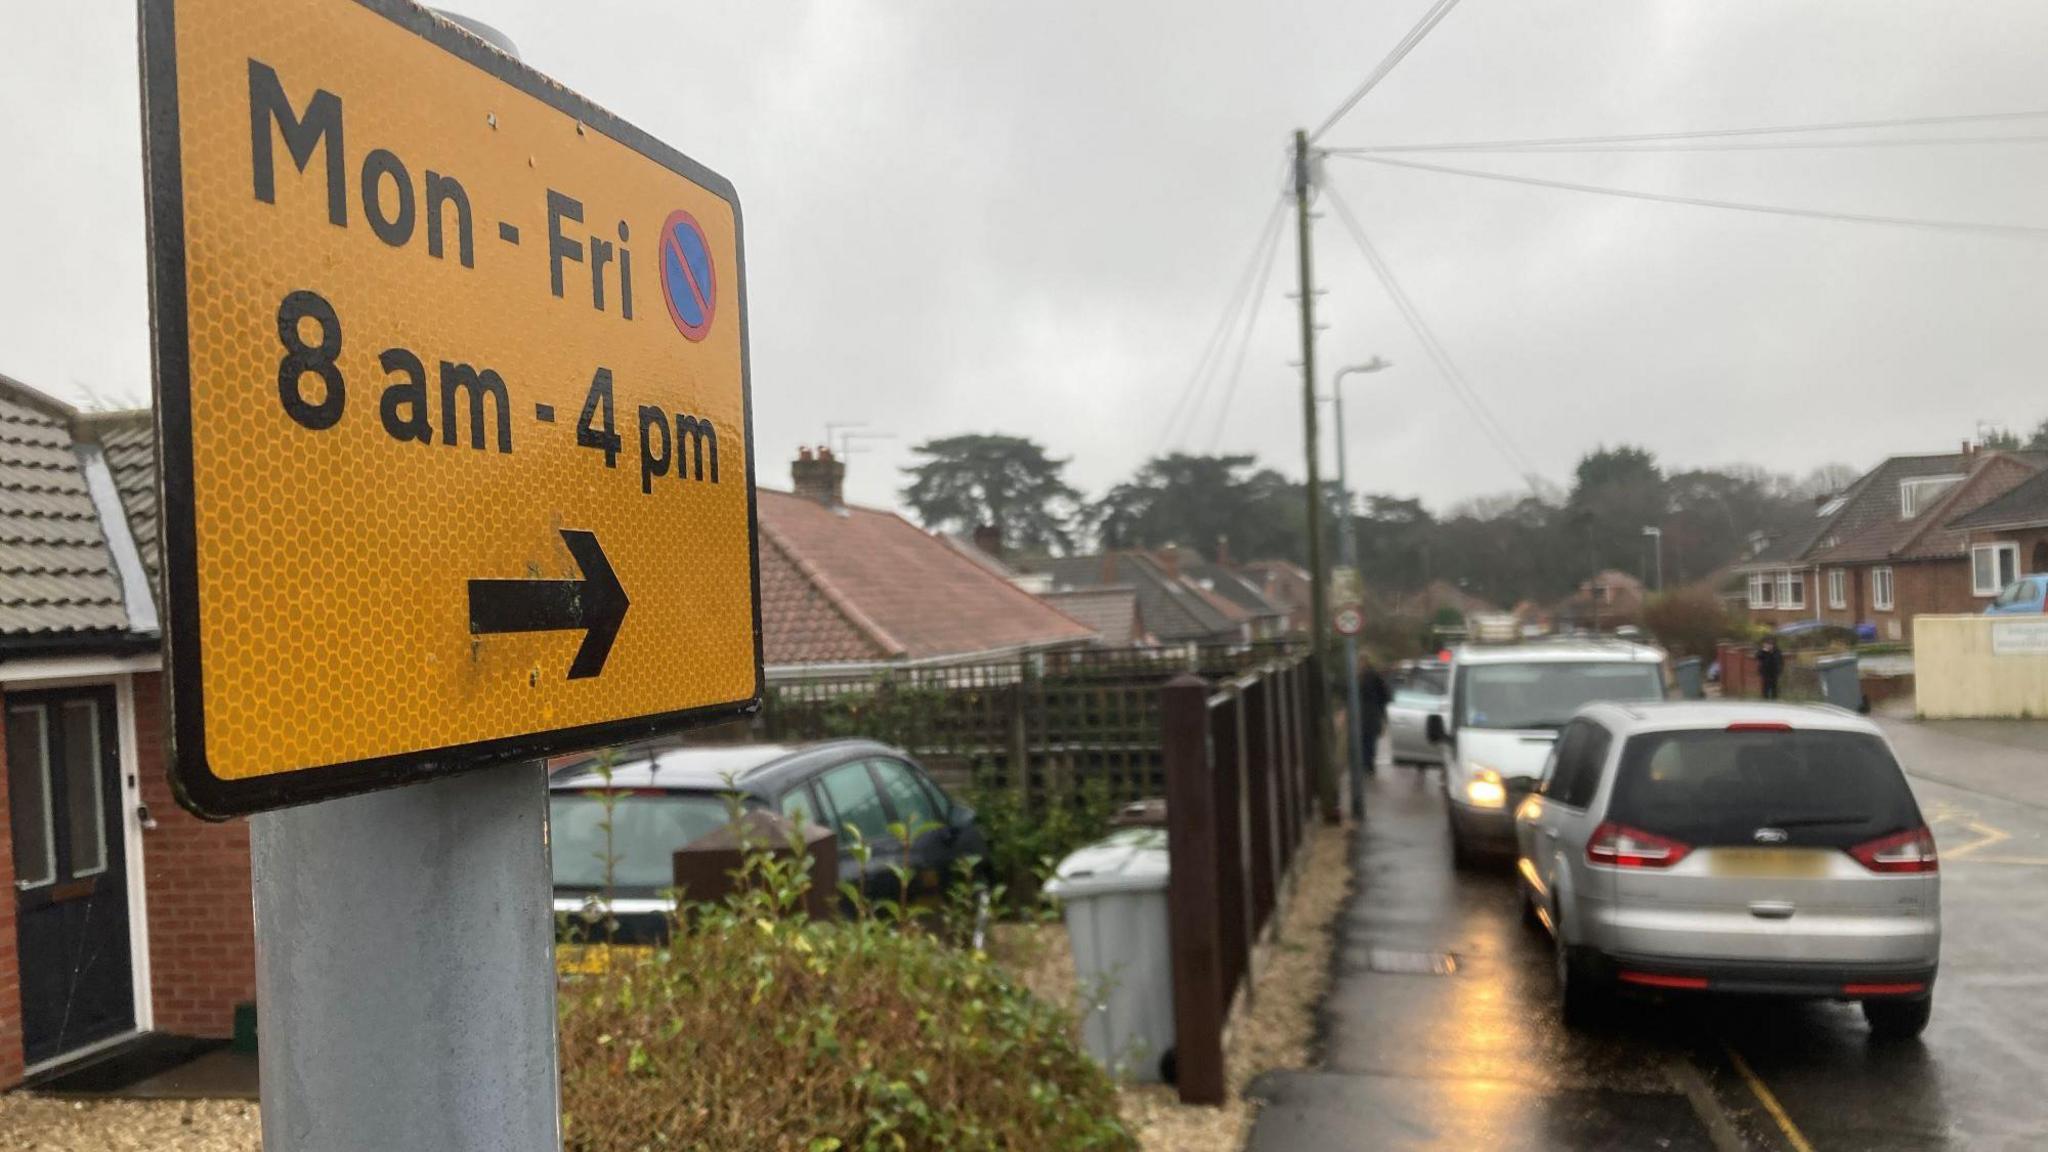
1027,218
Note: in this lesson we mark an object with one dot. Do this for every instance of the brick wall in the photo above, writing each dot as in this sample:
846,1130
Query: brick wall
1930,587
10,966
202,943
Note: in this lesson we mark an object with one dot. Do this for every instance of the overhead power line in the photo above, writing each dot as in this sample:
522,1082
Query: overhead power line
1430,20
2021,230
1708,146
1706,134
1244,343
1489,425
1198,380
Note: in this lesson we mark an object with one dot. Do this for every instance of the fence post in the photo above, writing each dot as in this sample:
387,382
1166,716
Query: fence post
1020,766
1300,683
1198,988
1259,782
1226,727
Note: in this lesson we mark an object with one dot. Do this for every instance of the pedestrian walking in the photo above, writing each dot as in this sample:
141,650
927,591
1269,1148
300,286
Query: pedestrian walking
1770,663
1373,695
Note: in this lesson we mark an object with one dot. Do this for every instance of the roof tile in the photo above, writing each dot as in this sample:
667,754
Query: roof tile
906,590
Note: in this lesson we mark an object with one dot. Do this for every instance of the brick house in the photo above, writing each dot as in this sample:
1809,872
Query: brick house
125,915
842,584
1183,598
2008,537
1286,585
1607,599
1887,548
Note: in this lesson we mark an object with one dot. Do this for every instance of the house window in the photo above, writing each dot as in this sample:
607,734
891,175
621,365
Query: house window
1992,567
1838,588
1760,591
1791,590
1881,589
1920,493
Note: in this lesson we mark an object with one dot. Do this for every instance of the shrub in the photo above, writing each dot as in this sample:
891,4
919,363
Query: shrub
758,1028
1027,839
1689,622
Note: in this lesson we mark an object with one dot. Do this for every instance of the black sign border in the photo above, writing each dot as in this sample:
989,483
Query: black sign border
192,780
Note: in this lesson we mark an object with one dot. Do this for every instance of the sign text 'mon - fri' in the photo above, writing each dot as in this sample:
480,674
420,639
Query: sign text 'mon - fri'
453,409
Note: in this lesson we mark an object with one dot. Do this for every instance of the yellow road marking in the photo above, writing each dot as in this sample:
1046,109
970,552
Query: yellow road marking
2019,861
1764,1096
1987,836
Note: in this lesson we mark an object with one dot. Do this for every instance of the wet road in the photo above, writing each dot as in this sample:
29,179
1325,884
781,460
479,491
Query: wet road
1442,1031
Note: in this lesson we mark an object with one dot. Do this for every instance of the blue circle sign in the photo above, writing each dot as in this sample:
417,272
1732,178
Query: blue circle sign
689,283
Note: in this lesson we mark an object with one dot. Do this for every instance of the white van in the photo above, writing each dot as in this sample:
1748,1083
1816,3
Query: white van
1506,707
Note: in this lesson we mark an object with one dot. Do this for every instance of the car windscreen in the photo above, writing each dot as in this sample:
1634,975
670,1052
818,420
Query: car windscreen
1822,789
646,830
1428,680
1544,694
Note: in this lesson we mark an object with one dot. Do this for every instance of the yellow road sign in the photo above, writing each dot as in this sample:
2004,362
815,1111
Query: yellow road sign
452,407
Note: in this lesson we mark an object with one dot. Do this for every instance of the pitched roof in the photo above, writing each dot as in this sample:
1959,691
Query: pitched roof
1174,609
1111,611
129,440
1870,525
57,576
2022,506
851,583
1243,598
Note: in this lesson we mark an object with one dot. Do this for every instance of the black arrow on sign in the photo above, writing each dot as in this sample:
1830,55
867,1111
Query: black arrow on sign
597,604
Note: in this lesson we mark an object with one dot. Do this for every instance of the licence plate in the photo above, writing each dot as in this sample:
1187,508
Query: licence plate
583,959
1770,862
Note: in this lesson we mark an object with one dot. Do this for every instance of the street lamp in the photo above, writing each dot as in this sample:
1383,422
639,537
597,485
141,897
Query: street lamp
1360,761
1657,534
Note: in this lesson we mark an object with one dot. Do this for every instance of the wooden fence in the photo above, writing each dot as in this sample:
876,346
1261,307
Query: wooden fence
1239,799
1041,724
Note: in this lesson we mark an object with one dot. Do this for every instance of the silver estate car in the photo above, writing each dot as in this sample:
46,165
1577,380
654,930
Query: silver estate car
1763,849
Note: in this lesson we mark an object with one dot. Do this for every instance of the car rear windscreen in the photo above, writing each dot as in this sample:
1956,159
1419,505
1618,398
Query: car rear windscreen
645,833
1822,789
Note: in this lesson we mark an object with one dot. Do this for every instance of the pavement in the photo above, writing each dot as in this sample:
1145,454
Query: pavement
1441,1031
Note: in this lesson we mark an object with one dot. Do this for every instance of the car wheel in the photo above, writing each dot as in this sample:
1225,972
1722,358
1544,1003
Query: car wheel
1898,1019
1581,996
1530,919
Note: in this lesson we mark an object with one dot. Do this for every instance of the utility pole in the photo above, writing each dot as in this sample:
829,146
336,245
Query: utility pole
1319,732
1657,534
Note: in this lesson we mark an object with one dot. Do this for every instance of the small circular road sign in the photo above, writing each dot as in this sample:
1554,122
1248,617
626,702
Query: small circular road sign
1350,620
688,281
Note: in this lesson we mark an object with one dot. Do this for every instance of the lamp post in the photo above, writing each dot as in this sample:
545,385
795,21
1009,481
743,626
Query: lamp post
1657,534
1360,754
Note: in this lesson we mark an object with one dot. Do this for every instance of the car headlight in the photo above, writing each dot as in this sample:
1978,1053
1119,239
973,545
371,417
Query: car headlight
1484,789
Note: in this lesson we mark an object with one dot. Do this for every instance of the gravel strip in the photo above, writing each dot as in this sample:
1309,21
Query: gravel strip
31,1123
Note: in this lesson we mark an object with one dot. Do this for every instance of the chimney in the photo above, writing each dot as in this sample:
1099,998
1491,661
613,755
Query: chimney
1223,550
1169,556
819,476
989,538
1969,450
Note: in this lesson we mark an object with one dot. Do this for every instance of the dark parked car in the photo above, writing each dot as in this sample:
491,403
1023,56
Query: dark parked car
662,798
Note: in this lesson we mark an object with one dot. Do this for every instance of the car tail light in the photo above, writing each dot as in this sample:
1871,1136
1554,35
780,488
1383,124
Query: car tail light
1909,988
1621,846
1760,726
1659,980
1909,851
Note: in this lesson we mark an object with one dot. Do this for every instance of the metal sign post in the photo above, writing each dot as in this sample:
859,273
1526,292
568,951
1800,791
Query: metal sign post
405,969
456,463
